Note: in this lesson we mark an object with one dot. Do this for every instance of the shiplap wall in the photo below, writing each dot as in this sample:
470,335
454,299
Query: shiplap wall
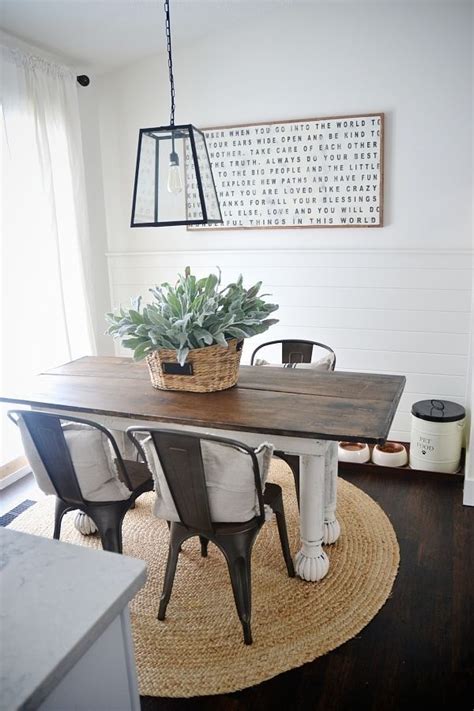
392,300
386,311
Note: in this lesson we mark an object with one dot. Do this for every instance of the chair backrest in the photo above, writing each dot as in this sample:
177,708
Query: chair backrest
181,459
45,443
295,350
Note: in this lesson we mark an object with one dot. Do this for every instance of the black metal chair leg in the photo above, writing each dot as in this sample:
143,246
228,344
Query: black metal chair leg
204,544
60,509
293,462
108,520
112,539
238,551
176,538
169,529
279,511
239,569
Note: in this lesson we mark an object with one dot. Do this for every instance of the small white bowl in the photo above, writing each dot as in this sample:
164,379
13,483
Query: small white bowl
357,452
390,454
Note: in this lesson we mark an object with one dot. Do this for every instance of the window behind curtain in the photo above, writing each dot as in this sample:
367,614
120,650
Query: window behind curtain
45,319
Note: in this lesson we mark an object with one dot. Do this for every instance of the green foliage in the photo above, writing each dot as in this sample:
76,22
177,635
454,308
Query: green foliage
193,314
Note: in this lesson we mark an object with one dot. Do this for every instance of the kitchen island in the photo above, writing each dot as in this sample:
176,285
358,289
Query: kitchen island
65,627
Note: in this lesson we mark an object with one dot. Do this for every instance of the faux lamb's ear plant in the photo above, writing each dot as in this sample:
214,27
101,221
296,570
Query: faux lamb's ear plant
192,314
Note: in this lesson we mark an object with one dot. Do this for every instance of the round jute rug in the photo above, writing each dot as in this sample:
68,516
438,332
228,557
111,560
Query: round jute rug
199,649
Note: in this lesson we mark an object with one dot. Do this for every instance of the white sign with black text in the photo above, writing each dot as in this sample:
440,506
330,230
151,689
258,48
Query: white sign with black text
310,173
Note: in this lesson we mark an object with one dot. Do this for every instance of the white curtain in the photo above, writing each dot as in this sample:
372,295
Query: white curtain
45,310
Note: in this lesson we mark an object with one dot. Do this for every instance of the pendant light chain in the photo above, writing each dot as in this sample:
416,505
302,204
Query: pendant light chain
170,61
161,193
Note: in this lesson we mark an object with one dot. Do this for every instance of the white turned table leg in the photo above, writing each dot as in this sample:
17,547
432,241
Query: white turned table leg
332,529
84,524
311,562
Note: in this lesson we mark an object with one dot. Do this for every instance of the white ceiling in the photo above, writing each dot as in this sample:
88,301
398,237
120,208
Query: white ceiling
103,34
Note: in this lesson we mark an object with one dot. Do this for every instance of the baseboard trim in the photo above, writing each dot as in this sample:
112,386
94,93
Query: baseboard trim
468,496
14,477
12,466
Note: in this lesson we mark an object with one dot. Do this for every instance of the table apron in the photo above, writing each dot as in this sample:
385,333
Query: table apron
291,445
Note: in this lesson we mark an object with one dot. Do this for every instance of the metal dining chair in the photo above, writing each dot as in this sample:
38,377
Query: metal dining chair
185,464
295,352
79,462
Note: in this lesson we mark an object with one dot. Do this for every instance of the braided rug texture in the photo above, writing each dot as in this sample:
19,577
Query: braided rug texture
198,649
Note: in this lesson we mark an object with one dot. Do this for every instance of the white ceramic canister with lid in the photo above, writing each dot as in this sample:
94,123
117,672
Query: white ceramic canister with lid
437,428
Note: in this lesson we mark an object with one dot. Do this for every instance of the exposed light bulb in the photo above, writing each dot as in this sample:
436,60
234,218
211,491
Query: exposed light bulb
175,184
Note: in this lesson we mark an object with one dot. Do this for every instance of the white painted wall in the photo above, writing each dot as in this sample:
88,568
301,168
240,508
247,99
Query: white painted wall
395,299
468,497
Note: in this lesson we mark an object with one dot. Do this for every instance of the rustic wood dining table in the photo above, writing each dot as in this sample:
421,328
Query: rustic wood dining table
302,412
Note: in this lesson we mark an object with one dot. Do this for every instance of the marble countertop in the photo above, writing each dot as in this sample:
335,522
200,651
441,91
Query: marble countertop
56,599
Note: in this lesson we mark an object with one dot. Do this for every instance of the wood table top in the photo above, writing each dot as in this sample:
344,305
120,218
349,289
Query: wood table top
355,407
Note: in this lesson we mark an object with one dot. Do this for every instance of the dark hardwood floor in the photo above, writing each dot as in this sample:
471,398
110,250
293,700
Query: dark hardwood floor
419,650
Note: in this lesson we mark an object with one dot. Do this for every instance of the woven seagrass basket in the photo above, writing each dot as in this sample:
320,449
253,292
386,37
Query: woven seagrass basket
206,369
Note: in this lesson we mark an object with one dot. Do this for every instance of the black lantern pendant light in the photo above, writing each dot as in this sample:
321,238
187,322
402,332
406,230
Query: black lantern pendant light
174,184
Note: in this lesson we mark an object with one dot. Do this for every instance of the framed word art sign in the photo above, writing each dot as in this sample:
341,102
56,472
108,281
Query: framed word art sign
321,172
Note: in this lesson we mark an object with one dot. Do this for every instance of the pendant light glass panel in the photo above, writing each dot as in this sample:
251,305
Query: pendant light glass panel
207,179
173,179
